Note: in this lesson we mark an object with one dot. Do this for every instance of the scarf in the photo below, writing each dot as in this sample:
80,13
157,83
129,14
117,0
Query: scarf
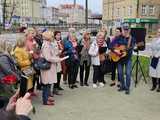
86,44
100,43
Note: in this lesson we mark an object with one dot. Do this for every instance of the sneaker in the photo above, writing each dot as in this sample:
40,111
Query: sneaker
101,84
94,86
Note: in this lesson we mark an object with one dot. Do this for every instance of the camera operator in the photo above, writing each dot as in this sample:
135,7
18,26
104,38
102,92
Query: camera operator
17,109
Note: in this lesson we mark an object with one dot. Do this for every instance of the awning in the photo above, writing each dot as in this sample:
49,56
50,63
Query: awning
141,20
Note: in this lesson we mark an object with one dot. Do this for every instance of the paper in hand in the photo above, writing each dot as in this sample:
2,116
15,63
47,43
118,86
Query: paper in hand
64,58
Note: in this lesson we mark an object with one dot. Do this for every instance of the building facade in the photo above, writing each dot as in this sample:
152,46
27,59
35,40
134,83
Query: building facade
52,15
143,13
43,11
20,11
1,12
76,13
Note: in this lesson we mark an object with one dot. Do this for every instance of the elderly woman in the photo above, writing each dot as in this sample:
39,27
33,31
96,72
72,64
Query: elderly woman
118,33
24,61
58,47
85,59
155,63
70,49
49,77
94,50
7,70
32,46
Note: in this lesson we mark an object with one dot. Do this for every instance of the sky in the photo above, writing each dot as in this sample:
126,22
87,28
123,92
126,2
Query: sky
94,5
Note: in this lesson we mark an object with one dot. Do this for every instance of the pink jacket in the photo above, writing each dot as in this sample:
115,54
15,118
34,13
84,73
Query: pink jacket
50,53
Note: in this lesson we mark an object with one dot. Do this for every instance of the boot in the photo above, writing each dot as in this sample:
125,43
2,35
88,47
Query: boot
158,90
55,90
154,84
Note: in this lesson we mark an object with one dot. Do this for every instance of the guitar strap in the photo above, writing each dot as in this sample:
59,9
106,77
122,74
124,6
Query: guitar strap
129,42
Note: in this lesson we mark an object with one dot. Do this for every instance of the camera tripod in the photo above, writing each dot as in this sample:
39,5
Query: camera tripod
137,64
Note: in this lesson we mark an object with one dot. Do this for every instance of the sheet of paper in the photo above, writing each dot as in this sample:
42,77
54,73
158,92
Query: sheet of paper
64,58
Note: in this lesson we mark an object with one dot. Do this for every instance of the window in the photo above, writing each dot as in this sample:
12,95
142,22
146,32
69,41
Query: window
129,10
124,11
151,10
144,9
118,12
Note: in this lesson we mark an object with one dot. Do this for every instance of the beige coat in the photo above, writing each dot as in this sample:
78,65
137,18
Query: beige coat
155,51
58,52
50,54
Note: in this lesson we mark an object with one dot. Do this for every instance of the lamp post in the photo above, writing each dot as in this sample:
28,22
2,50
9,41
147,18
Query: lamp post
86,14
74,2
4,13
137,15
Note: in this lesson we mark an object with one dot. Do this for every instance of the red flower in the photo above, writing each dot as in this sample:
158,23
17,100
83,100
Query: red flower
9,79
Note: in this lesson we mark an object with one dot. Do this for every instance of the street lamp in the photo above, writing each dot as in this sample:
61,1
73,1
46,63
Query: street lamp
86,14
4,14
137,16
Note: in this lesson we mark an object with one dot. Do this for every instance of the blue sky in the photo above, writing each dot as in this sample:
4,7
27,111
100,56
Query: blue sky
94,5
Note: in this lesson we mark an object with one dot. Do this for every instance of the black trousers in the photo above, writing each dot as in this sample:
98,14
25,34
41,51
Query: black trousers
57,85
85,68
72,72
156,82
36,77
97,74
23,86
114,68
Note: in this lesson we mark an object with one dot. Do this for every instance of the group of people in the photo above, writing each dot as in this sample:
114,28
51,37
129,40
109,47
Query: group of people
66,56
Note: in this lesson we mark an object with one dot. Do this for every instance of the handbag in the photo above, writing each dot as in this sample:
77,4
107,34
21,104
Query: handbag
42,64
154,62
29,71
106,66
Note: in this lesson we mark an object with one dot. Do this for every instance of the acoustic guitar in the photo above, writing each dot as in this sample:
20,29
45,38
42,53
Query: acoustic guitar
118,53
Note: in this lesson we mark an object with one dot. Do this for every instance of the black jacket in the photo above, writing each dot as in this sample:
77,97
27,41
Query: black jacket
22,117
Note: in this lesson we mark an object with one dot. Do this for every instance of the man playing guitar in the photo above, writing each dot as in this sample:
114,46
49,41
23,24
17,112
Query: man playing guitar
123,48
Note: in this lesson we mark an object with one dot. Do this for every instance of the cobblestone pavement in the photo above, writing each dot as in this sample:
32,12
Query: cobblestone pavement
86,103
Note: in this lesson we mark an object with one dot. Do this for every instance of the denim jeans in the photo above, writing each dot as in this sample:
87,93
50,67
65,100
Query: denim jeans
125,84
45,93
